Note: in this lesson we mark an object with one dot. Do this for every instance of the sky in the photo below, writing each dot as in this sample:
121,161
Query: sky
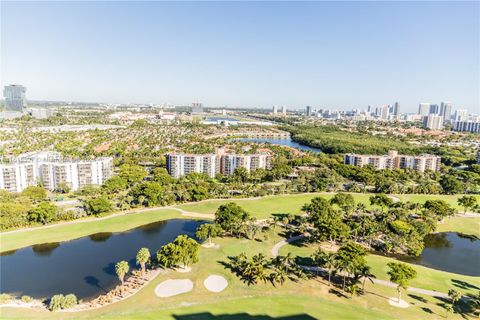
252,54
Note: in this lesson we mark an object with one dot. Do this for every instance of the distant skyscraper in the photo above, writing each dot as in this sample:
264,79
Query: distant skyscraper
369,108
433,122
275,109
15,99
197,108
383,112
284,110
423,108
446,110
396,109
434,109
460,115
308,111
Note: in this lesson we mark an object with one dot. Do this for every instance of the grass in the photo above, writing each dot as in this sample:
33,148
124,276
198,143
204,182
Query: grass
66,232
427,278
460,224
306,299
259,207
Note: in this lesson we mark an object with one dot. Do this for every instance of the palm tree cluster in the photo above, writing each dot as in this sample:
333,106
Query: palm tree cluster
348,262
259,268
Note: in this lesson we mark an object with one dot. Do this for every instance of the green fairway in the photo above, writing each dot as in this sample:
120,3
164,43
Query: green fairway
427,278
421,198
263,207
259,207
305,299
65,232
460,224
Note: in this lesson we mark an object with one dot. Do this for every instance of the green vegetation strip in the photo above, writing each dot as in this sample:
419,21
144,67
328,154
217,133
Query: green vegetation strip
66,232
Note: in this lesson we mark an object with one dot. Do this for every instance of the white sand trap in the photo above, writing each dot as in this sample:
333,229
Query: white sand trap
171,287
215,283
394,302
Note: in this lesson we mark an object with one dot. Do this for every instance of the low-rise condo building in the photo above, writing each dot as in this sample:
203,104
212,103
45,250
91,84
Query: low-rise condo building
50,169
393,160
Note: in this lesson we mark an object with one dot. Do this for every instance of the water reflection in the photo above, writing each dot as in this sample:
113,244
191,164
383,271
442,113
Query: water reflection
45,249
101,236
85,266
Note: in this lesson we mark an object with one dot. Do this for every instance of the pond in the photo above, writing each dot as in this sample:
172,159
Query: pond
451,252
85,266
282,142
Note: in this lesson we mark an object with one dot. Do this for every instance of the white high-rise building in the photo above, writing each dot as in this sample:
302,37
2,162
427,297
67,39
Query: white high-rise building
179,165
275,109
230,162
433,122
424,108
15,97
446,110
284,110
460,115
51,170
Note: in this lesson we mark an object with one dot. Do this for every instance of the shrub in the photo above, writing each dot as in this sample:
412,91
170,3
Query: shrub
69,301
4,298
26,299
59,301
56,302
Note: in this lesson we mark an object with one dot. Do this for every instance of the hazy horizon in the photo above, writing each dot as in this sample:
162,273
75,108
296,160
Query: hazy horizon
339,55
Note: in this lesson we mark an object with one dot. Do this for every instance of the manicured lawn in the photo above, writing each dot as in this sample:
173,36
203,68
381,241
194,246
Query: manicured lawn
460,224
263,207
306,299
421,198
65,232
426,278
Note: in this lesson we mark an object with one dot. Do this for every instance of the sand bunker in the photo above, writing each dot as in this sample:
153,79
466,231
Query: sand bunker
215,283
171,287
394,302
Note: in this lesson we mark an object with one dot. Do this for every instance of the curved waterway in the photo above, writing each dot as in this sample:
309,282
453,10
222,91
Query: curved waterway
282,142
85,266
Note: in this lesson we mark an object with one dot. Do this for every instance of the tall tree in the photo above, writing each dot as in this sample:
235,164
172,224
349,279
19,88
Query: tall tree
208,231
467,202
121,269
143,256
401,274
230,217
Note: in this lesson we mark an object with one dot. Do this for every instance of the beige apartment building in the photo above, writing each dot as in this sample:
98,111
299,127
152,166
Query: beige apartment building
393,160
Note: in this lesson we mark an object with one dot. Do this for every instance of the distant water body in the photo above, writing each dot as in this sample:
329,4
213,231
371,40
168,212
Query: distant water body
282,142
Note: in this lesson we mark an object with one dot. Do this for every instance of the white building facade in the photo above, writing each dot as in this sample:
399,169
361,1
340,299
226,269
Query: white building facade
51,170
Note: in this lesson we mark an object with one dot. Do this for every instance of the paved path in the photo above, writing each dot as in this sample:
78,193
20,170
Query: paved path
433,293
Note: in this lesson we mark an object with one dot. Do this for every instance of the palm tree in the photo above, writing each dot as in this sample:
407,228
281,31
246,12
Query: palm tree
364,272
143,256
330,265
121,269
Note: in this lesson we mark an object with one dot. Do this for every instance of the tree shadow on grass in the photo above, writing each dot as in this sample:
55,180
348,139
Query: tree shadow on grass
421,299
464,285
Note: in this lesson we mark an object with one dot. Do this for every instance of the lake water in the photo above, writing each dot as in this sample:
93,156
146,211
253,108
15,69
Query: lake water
85,266
282,142
449,251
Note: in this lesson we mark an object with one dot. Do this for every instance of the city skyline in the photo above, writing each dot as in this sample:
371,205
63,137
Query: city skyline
323,54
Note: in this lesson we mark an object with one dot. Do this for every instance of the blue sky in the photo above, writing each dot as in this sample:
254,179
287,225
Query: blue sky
325,54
